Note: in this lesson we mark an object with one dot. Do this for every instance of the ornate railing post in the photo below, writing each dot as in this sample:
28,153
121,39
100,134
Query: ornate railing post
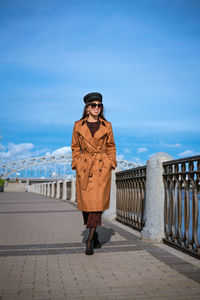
58,190
27,185
110,214
40,188
64,197
61,189
44,189
53,189
48,189
154,222
73,190
29,189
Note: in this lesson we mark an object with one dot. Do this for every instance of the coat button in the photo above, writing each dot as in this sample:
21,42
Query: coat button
85,159
85,148
100,160
84,171
100,170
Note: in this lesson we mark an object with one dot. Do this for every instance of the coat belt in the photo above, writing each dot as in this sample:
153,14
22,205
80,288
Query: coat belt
94,152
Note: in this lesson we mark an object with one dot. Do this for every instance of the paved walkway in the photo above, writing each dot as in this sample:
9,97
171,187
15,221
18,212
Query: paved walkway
42,257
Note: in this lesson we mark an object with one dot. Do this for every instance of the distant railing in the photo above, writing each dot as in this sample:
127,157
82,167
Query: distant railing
182,198
56,189
130,197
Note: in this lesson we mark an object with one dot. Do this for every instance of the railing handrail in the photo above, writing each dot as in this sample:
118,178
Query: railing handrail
132,169
181,160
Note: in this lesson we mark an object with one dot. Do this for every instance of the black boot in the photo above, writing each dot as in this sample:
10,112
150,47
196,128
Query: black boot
96,242
89,242
89,248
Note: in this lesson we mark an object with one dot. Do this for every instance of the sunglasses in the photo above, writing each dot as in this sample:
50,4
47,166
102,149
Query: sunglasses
94,105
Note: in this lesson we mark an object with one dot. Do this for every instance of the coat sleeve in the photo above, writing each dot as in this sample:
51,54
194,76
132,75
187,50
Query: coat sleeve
111,149
75,146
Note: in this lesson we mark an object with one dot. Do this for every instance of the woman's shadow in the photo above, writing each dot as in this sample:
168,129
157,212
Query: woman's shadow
103,232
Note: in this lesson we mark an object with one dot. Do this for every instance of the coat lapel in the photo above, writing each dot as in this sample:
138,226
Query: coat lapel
101,132
85,132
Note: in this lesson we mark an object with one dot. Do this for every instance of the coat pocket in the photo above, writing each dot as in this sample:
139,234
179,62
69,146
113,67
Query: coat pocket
107,162
79,164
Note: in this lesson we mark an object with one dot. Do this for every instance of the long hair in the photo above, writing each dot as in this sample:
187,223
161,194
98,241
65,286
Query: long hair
85,112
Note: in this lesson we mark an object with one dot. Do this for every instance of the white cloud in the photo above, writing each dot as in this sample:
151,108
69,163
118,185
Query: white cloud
127,150
138,161
150,155
141,150
63,150
188,153
40,152
4,155
135,160
120,157
170,145
17,151
2,147
23,150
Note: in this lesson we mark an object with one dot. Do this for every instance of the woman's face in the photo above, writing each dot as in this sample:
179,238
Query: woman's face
93,108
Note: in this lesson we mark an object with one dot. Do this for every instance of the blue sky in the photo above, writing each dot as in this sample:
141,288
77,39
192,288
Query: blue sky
143,56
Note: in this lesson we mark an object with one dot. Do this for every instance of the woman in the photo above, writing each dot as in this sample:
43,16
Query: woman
93,158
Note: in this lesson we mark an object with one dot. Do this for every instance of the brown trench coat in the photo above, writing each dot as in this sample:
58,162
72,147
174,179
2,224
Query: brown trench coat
93,158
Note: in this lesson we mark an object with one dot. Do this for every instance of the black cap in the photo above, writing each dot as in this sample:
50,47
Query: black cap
92,96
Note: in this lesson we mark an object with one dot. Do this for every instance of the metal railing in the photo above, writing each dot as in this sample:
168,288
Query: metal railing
130,197
182,198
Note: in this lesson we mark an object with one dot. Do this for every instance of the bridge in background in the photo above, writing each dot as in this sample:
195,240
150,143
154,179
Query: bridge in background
48,166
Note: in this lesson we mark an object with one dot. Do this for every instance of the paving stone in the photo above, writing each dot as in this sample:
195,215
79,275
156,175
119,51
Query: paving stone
42,245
